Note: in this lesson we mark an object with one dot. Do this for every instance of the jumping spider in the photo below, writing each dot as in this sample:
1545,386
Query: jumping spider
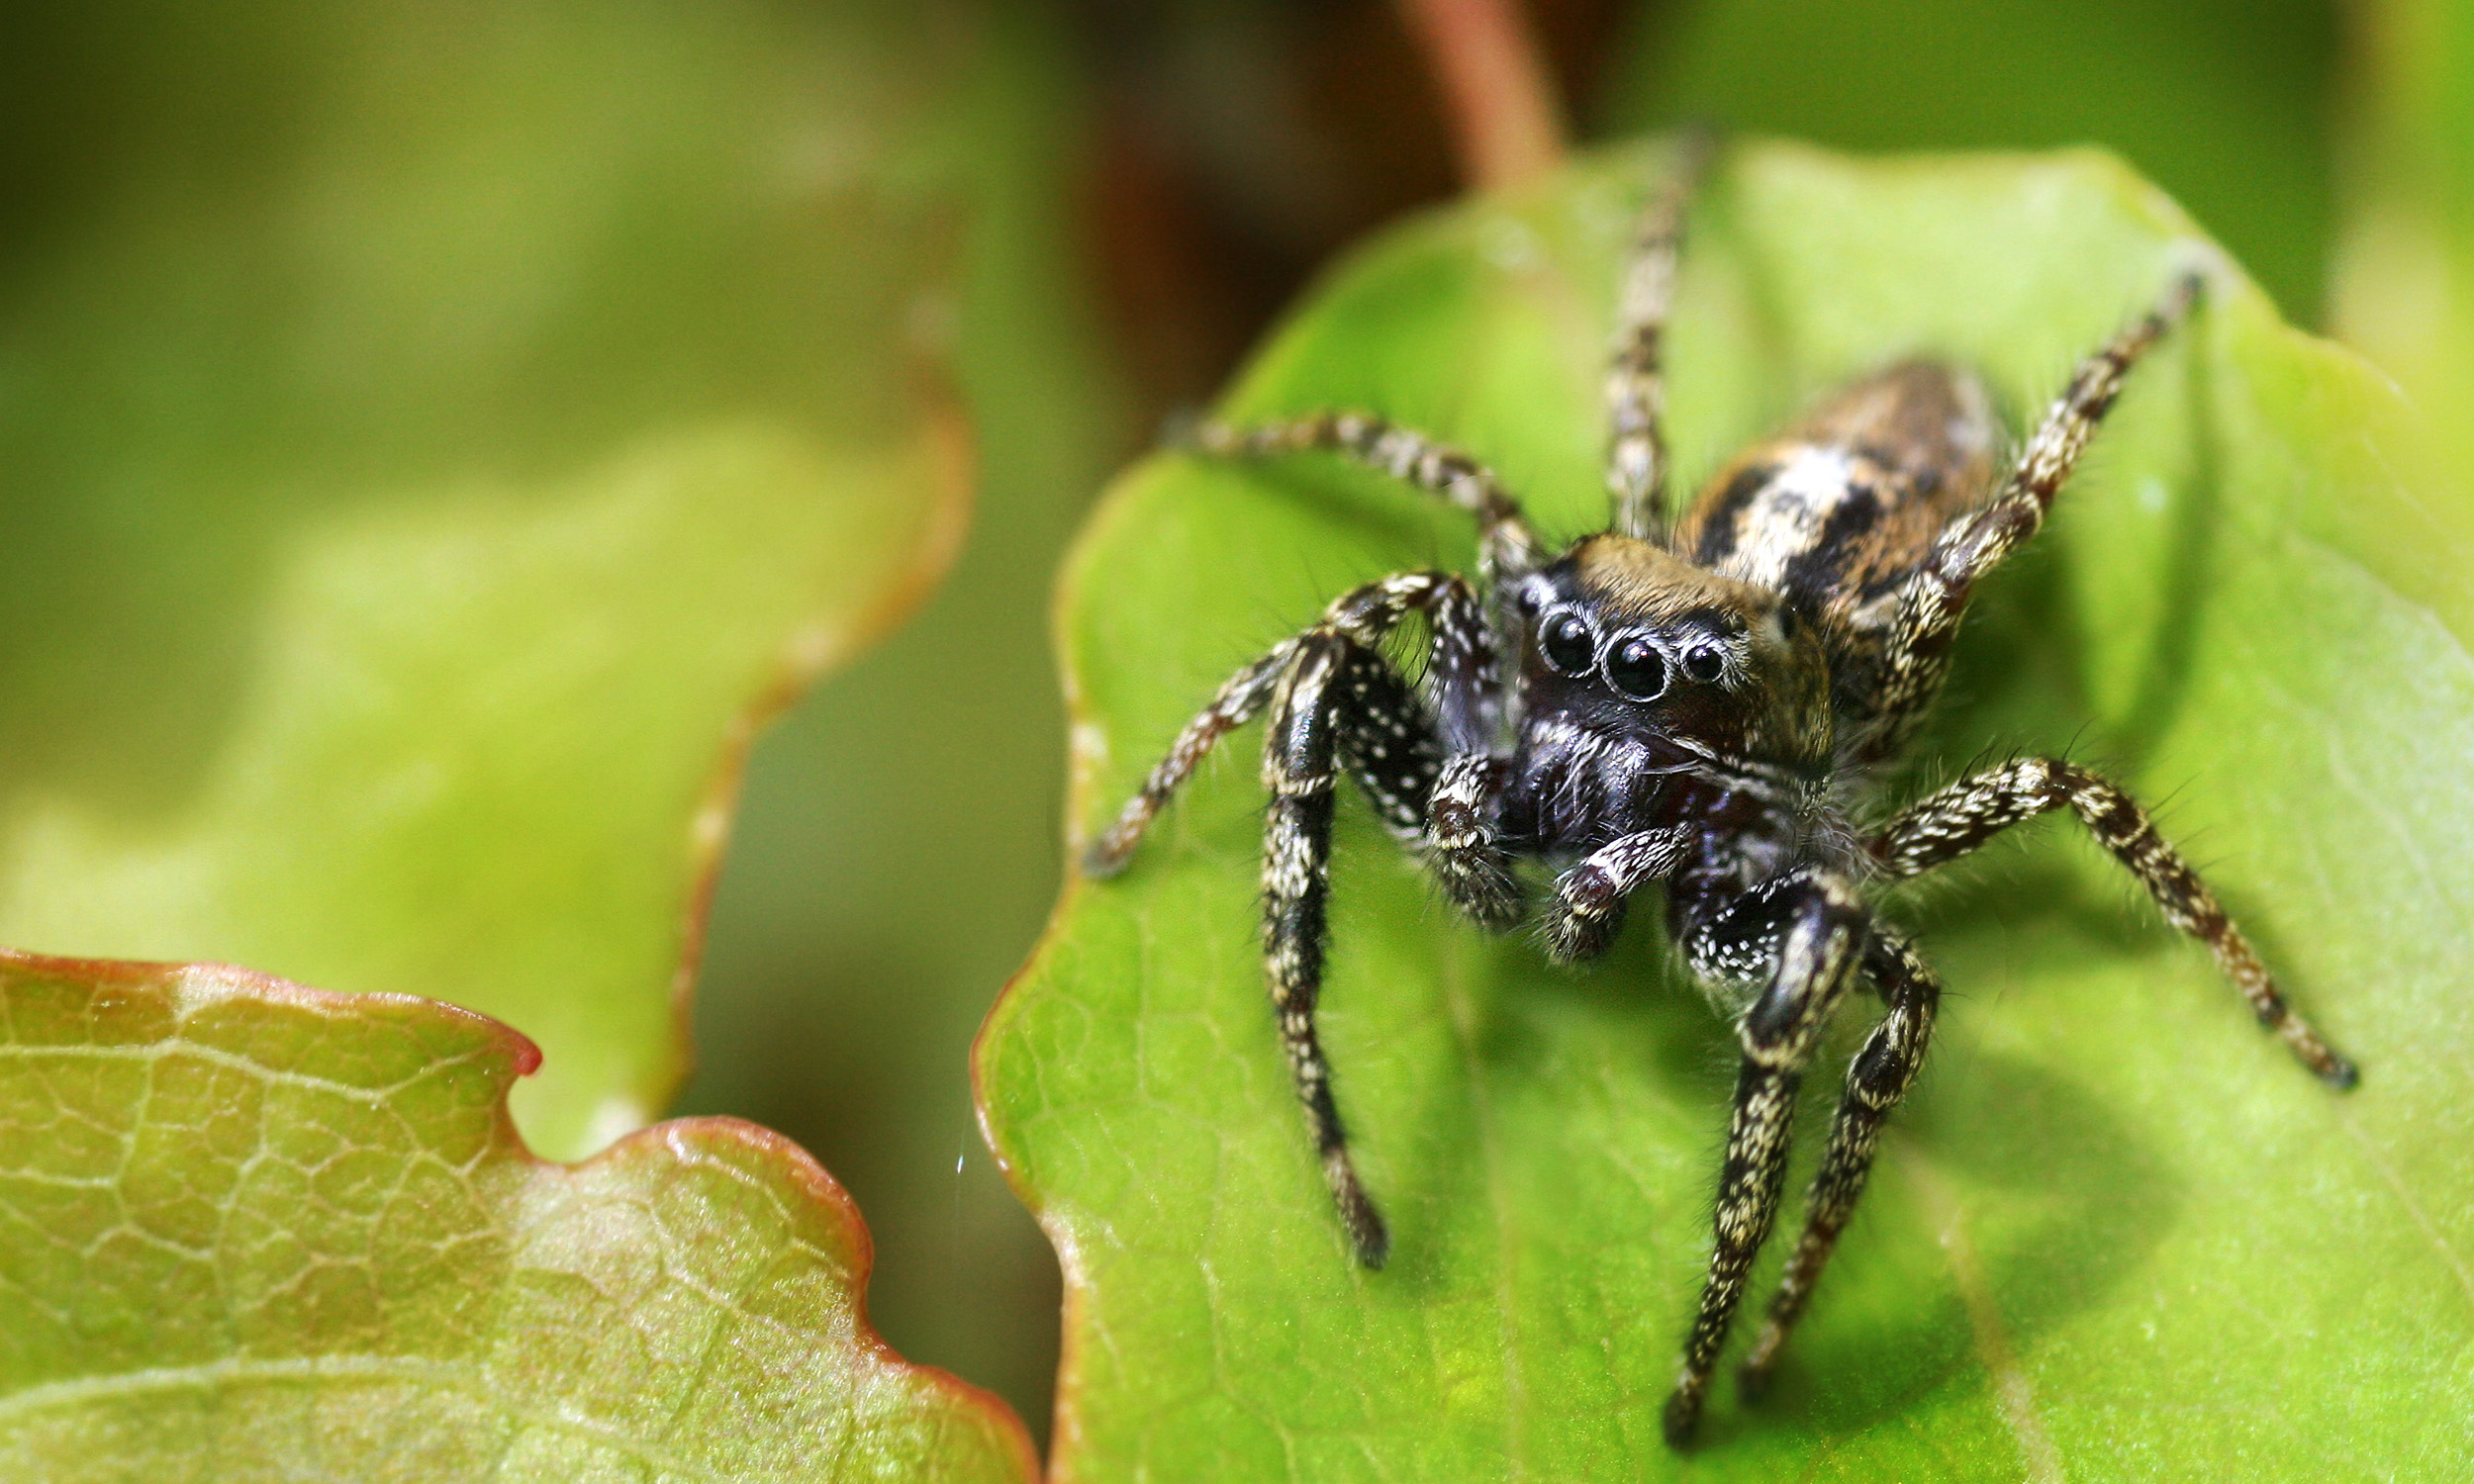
1707,705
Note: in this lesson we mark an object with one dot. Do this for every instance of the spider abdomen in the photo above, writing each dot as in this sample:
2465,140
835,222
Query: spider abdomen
1838,508
1836,512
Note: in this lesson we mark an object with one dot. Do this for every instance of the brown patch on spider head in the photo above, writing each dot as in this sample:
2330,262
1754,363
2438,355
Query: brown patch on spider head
1624,635
1632,579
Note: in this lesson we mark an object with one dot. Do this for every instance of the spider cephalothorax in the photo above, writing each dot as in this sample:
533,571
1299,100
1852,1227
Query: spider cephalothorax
1702,707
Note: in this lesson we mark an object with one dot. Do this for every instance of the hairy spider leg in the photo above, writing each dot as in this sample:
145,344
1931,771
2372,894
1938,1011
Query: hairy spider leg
1299,754
1813,927
1507,547
1424,761
1461,847
1437,785
1877,1080
1636,385
1234,706
1961,818
1931,602
1341,704
1337,703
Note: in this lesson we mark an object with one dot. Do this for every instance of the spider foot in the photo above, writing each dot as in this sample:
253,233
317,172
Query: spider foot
1683,1414
2324,1060
1753,1377
1107,857
1481,885
1369,1238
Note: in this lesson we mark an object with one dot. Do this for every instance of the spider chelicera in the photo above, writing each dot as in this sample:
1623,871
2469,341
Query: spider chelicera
1707,704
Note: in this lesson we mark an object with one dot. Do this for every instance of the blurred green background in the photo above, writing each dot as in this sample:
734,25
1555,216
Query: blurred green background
1140,186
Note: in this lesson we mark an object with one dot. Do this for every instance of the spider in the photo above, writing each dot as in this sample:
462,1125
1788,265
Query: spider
1711,703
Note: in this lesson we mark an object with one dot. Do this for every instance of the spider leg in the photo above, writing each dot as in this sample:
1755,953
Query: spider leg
1588,906
1459,839
1636,387
1422,760
1387,741
1877,1080
1507,547
1299,768
1964,816
1819,927
1234,705
1932,600
1336,704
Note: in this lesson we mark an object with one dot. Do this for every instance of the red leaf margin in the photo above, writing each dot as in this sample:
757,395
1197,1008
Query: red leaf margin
839,1228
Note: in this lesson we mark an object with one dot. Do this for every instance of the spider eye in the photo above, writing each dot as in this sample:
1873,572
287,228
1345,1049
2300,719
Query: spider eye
1568,643
1636,668
1705,664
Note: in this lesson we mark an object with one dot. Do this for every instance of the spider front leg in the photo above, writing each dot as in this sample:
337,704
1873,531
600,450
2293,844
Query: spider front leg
1461,847
1299,753
1338,706
1439,800
1341,704
1819,928
1877,1080
1453,819
1964,816
1408,753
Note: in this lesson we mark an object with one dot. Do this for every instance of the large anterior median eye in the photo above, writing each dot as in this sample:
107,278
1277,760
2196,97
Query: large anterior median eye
1568,643
1635,668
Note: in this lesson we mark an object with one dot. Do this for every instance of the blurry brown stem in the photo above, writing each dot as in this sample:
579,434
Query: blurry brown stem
1501,100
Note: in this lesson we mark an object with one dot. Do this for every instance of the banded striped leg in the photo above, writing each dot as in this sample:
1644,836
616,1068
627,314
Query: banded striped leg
1234,706
1462,691
1964,816
1588,906
1421,761
1820,927
1932,599
1636,389
1507,547
1301,752
1338,704
1877,1080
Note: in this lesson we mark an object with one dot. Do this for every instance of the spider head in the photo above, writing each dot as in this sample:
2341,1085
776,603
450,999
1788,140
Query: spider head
1623,637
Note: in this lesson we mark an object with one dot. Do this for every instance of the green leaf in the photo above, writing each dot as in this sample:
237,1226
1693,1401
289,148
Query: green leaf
253,1231
435,438
2117,1232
